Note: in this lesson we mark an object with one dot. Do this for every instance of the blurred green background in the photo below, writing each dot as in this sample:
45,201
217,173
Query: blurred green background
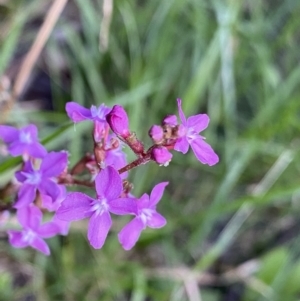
233,229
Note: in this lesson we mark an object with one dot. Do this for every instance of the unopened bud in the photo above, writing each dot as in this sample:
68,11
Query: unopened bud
170,120
161,155
156,133
118,121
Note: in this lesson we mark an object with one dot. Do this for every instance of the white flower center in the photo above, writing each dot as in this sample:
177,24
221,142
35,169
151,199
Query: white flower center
191,134
98,112
146,215
25,137
28,236
94,111
32,178
100,206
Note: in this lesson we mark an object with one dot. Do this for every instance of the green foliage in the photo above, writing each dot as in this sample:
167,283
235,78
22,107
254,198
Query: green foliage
236,60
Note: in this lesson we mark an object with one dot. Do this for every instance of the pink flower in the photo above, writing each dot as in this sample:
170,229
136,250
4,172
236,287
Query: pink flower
40,179
78,113
146,215
33,232
188,135
78,205
22,141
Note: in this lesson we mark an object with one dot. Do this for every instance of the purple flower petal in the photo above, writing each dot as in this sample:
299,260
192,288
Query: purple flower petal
130,234
28,167
98,228
16,239
143,201
109,183
40,245
20,176
35,217
100,113
182,145
170,120
77,113
157,193
8,133
181,114
31,130
203,152
36,150
48,230
123,206
156,221
76,206
198,122
52,205
54,163
50,188
16,148
115,158
30,217
26,196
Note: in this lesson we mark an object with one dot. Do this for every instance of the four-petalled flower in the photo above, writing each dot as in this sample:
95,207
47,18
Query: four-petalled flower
78,205
78,113
146,215
41,179
189,135
22,141
33,232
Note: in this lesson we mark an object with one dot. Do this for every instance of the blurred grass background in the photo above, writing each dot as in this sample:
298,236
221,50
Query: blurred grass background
233,229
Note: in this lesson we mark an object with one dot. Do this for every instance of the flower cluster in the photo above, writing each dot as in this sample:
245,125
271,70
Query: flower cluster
43,177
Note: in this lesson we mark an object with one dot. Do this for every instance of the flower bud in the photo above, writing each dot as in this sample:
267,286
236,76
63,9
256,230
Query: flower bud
156,133
170,120
118,121
161,155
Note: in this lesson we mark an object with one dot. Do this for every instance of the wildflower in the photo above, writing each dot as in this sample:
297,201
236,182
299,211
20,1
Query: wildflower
40,179
22,141
146,215
33,232
188,135
78,205
78,113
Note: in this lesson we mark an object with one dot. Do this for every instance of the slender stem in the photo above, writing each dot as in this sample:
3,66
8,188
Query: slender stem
80,165
69,180
135,163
